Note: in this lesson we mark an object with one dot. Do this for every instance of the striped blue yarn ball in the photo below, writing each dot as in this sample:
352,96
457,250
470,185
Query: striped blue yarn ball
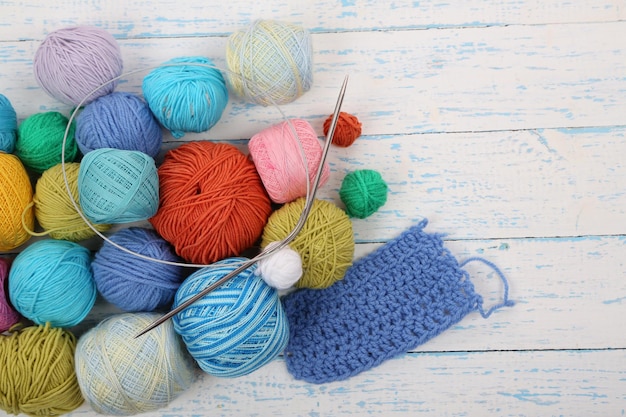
8,125
118,186
118,120
186,98
237,328
51,281
132,283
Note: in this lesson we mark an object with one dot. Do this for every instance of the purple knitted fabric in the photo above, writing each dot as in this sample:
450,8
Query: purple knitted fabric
390,301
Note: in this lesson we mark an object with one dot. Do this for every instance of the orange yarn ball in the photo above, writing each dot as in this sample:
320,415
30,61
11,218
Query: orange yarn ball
347,130
212,202
16,200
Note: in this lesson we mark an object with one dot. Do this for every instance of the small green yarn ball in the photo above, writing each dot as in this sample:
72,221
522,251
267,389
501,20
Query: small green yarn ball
363,192
39,141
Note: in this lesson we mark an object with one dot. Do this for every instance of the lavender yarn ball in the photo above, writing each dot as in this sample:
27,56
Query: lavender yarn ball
121,121
70,63
8,125
134,284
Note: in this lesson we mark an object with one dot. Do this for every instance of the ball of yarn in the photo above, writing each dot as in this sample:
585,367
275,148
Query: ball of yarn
53,208
213,204
282,269
270,62
277,155
8,315
131,282
363,192
16,196
37,372
51,281
237,328
347,130
119,374
186,98
8,125
120,121
72,62
40,140
118,186
325,243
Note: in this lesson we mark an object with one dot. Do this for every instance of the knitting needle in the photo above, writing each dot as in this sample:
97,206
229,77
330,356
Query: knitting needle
290,237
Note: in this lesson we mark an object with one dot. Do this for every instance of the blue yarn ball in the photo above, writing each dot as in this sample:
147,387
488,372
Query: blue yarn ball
8,125
235,329
121,121
118,186
132,283
51,281
186,98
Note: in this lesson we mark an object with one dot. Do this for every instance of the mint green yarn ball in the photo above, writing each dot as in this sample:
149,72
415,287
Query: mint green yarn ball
40,140
363,192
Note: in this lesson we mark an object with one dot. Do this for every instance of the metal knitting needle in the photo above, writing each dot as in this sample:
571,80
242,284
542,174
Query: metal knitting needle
289,238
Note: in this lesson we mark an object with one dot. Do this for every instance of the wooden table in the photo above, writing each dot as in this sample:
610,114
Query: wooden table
501,122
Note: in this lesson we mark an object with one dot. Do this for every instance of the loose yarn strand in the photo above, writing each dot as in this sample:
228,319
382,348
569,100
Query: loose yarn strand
505,299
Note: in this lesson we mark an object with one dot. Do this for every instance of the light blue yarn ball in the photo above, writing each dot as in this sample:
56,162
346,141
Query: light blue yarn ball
237,328
118,120
51,281
118,186
186,98
133,283
8,125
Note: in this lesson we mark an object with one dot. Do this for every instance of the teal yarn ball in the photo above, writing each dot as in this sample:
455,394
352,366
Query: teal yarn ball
8,125
235,329
40,140
121,375
118,186
363,192
51,281
186,98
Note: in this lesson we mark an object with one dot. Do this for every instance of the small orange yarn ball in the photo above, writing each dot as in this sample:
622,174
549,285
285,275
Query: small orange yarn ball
212,203
16,199
348,129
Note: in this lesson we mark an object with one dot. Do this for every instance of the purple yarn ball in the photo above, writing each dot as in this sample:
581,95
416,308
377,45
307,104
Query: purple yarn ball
71,63
121,121
134,284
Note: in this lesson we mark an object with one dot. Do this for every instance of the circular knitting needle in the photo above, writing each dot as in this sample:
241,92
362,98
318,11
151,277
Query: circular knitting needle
284,242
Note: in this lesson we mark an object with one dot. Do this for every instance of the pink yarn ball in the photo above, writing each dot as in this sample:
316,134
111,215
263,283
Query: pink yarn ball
278,159
8,316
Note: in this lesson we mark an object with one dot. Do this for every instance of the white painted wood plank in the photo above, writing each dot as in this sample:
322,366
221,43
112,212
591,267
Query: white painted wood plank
457,80
550,383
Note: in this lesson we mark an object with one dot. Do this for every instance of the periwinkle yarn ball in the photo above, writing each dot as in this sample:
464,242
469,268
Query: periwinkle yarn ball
133,283
270,62
72,62
186,94
51,281
8,125
118,120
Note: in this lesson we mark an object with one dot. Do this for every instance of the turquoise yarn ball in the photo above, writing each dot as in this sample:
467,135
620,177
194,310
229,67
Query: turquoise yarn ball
237,328
8,125
51,281
118,186
363,192
121,375
186,98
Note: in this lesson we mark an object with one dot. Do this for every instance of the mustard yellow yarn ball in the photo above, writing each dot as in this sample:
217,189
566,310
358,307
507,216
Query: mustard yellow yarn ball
325,243
16,196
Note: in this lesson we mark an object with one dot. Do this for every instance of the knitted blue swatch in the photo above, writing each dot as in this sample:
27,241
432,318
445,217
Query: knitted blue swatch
390,301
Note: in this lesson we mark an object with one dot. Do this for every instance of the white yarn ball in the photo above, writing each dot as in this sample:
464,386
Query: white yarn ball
282,269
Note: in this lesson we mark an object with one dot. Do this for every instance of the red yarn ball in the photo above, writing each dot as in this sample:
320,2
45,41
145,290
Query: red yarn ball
348,129
212,202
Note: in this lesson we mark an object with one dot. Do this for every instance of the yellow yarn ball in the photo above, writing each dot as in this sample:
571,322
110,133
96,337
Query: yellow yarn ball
325,243
16,196
54,209
37,372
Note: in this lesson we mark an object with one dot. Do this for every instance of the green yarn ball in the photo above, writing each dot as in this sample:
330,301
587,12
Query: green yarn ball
39,141
363,192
